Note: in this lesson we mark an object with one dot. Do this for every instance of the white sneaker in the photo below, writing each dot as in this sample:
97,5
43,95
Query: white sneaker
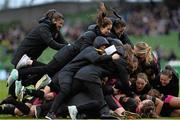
23,61
18,87
12,77
45,80
73,112
21,94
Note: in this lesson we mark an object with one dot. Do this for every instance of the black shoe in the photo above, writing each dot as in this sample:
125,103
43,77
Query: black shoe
50,116
105,113
37,112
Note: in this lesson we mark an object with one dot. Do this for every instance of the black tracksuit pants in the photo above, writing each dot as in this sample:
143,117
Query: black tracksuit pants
94,89
65,82
81,101
61,58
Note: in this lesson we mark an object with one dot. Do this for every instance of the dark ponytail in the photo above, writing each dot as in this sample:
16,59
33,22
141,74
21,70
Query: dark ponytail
167,72
148,110
116,14
102,20
118,22
49,13
53,15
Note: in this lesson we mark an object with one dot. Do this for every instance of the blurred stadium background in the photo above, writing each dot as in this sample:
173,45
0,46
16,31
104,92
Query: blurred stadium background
156,22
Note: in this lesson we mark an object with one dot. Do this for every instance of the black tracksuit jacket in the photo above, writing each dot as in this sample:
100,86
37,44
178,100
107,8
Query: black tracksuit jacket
67,53
43,36
65,75
88,56
94,73
171,89
150,69
123,38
